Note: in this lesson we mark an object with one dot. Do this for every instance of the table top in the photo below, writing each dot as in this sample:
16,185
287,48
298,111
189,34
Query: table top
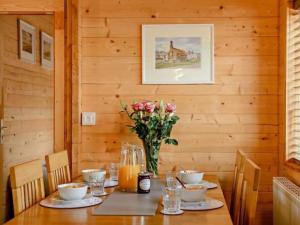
37,215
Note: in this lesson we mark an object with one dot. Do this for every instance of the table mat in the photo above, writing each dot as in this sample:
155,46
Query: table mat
131,204
56,203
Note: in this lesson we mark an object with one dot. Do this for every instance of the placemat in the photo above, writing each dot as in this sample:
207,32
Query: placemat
57,203
131,204
208,204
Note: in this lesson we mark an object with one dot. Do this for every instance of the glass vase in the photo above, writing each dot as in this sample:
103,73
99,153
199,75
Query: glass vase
152,153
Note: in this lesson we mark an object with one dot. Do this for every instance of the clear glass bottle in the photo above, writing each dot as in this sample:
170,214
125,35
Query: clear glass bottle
131,163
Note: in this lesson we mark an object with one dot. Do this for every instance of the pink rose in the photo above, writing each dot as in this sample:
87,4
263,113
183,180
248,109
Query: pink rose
138,106
170,107
149,107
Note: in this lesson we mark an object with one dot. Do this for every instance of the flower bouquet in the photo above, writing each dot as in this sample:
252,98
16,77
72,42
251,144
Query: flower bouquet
153,123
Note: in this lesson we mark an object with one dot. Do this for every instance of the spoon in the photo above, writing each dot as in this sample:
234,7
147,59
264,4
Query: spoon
183,185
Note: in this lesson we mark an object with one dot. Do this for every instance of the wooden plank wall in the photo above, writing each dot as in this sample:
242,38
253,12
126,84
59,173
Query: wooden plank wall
28,99
283,23
240,111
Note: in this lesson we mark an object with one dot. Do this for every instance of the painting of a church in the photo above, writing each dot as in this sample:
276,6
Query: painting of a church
177,53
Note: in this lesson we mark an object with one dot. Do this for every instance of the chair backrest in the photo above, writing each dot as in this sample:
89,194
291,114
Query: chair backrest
249,195
58,169
237,185
27,185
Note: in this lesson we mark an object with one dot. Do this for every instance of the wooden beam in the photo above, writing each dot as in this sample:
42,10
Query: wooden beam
75,89
59,77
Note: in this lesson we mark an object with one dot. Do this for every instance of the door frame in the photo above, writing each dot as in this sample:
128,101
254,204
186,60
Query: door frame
62,99
56,8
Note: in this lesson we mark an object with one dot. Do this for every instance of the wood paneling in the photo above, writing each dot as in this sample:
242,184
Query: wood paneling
178,8
284,17
130,27
240,111
31,6
56,8
28,100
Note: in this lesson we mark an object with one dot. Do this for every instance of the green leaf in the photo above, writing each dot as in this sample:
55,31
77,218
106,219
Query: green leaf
123,105
171,141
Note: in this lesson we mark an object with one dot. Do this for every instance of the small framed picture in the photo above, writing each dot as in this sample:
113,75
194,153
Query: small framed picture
46,51
178,54
27,41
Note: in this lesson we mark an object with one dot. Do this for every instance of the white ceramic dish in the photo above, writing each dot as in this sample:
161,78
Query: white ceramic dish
95,173
193,193
190,176
72,191
58,200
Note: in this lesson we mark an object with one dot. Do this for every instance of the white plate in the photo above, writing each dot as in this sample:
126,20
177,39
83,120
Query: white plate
103,194
209,185
58,203
179,212
208,204
110,183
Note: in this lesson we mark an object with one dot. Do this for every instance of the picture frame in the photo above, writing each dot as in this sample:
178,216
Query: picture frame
47,54
27,41
178,54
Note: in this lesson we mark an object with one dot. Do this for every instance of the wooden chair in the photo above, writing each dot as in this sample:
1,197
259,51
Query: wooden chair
249,193
237,185
58,169
27,185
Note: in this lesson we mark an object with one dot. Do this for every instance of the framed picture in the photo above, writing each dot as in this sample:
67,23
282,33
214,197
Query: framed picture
46,51
178,54
27,39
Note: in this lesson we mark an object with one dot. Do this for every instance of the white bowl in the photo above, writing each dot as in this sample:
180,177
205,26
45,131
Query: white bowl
72,191
193,193
95,173
190,176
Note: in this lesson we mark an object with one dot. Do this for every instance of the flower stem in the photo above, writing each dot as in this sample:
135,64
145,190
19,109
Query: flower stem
152,151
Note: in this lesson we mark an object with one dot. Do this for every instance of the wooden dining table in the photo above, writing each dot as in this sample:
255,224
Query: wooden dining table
38,215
